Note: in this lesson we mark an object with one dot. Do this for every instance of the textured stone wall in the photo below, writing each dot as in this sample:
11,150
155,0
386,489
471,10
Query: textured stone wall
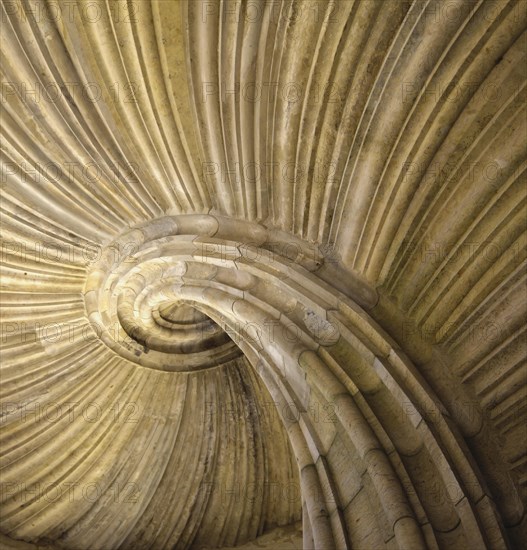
263,262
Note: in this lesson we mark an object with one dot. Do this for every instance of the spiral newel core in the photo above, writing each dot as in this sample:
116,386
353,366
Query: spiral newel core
193,292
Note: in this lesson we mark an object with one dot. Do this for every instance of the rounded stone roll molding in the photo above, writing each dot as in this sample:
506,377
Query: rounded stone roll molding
310,343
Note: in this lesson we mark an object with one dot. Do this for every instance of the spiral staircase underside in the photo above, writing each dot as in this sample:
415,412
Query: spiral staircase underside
263,266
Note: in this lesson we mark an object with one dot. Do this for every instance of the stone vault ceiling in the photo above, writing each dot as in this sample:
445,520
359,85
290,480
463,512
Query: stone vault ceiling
263,262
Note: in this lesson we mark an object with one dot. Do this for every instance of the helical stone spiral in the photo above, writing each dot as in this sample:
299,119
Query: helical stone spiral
185,293
190,292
